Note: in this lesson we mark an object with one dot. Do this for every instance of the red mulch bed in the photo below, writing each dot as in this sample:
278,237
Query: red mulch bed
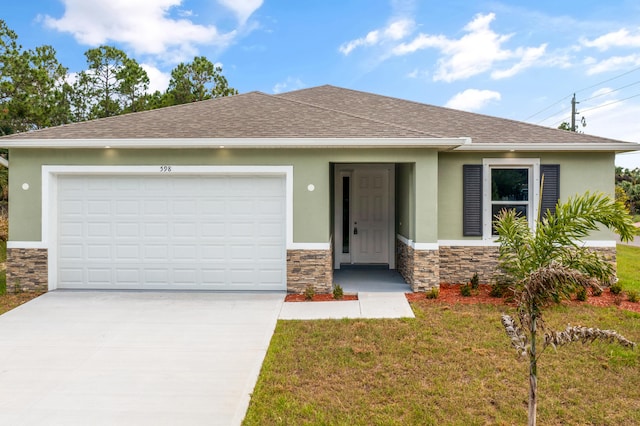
450,293
318,298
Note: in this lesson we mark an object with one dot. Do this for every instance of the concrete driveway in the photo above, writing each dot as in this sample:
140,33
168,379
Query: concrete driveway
133,358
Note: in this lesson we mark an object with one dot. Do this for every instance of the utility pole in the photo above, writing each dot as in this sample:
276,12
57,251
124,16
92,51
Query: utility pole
573,113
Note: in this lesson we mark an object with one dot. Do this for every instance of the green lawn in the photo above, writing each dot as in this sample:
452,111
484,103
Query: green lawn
450,365
628,259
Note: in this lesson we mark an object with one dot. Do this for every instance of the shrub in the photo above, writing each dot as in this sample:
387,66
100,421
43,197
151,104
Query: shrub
581,294
633,296
615,288
475,281
465,290
338,293
309,292
433,293
596,291
500,286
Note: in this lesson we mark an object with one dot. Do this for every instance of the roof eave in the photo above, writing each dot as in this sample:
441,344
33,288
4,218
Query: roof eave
551,147
182,143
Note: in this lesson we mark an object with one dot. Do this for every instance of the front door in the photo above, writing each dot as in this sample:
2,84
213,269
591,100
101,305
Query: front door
364,214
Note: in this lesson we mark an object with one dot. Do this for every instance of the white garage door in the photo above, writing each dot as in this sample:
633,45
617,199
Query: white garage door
172,232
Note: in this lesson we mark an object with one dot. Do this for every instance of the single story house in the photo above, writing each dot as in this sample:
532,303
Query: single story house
274,192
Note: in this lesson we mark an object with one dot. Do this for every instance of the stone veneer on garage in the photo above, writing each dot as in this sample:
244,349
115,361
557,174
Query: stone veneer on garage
309,267
27,270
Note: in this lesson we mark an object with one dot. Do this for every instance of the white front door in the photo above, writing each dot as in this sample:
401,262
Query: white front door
364,229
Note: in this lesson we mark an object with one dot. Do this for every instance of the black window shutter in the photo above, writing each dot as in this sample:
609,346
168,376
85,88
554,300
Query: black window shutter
550,189
472,200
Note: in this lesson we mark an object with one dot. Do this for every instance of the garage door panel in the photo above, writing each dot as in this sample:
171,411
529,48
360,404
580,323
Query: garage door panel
98,252
128,277
99,208
213,207
127,252
185,230
99,229
99,276
72,277
184,252
155,207
198,232
125,230
156,230
127,208
156,252
70,229
71,252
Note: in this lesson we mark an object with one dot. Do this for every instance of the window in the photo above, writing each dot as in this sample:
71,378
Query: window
509,183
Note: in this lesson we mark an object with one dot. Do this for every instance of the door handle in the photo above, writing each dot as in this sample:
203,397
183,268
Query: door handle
355,230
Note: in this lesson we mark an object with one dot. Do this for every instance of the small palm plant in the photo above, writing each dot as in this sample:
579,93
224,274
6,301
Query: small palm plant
548,264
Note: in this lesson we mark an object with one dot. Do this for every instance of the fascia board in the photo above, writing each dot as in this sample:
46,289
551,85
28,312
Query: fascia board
441,143
558,147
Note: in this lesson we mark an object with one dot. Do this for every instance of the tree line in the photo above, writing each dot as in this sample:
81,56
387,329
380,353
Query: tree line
37,91
628,188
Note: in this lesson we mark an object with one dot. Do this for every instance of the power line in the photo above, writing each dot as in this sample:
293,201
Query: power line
581,90
547,108
610,91
608,80
610,103
552,115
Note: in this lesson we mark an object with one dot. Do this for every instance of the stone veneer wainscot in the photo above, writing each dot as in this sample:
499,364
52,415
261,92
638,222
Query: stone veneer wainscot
419,268
309,267
27,269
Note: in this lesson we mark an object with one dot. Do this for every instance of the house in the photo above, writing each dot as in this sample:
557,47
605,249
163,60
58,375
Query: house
274,192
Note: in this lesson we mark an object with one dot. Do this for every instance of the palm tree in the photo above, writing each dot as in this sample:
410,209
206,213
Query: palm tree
548,264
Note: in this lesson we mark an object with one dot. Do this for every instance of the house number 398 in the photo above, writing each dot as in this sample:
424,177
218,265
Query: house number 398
165,169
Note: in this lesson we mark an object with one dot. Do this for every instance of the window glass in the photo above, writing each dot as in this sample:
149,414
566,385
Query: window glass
509,184
346,214
509,190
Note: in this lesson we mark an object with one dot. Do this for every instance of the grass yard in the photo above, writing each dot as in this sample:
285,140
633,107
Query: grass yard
628,259
451,365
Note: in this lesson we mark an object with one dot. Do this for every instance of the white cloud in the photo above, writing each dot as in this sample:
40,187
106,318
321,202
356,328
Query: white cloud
530,56
613,63
620,38
417,73
475,52
143,26
472,99
158,80
288,85
243,9
396,30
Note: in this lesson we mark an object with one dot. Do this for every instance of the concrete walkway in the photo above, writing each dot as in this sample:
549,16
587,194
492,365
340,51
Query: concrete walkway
368,305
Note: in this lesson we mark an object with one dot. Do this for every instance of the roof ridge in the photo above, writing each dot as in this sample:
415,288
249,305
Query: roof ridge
511,120
373,120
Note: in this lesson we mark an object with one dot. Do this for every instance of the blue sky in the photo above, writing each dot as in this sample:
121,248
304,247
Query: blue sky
518,59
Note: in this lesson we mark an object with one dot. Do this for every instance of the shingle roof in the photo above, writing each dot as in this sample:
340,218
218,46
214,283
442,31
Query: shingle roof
435,120
319,112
